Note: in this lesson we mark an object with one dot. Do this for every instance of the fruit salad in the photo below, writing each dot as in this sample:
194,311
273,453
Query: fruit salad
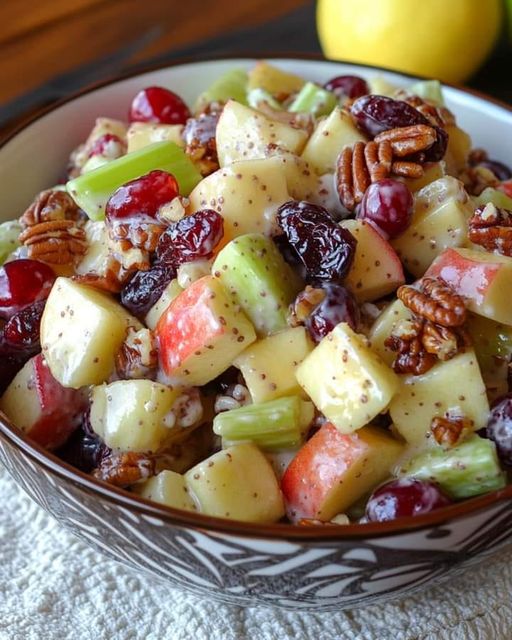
287,302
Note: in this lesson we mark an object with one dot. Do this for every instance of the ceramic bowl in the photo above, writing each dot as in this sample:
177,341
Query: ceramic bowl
309,568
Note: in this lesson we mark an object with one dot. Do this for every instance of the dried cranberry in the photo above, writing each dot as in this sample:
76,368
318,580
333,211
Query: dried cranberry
23,282
11,361
84,449
347,87
144,289
499,429
143,196
404,497
191,238
326,249
500,170
374,114
338,306
388,204
22,329
437,151
109,146
159,105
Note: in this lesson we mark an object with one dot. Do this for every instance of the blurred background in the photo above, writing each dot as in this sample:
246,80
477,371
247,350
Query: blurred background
59,46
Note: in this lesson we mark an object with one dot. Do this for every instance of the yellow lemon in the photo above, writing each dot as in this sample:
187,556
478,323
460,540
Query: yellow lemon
444,39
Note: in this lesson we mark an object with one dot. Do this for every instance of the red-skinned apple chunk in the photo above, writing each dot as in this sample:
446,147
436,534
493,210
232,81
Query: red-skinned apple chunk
41,407
201,333
333,470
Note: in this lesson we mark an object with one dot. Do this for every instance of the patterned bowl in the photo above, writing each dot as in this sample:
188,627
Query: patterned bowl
311,568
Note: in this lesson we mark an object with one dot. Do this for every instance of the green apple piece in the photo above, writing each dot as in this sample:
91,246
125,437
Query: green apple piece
313,99
376,269
467,470
243,134
230,86
168,488
451,388
497,197
381,87
428,90
9,234
383,327
95,259
92,190
256,97
253,271
237,483
346,380
82,329
268,366
440,220
277,424
273,80
142,134
133,415
171,291
246,194
328,139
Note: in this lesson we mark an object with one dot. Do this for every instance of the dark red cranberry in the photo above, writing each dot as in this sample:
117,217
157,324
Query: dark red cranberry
143,196
387,204
404,497
23,282
499,429
193,237
84,449
374,114
347,87
11,361
500,170
437,151
339,305
22,329
159,105
326,249
144,289
109,146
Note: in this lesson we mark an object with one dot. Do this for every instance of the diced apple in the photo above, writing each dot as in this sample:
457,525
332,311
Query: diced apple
276,81
268,366
328,139
95,260
256,275
134,415
432,171
333,470
82,329
38,405
142,134
451,388
376,270
237,483
483,279
171,291
245,134
457,152
301,180
201,333
346,380
383,327
169,488
246,194
440,221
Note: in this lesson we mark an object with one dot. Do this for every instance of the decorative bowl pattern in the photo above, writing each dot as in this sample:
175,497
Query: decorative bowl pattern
309,568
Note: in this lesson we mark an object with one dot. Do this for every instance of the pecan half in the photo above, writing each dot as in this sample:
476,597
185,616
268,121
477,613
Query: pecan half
137,357
434,300
491,228
125,469
50,205
55,241
405,141
448,431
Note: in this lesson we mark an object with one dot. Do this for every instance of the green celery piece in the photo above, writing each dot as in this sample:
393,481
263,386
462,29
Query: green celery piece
497,197
256,96
9,233
277,424
232,85
314,99
92,190
251,268
429,90
467,470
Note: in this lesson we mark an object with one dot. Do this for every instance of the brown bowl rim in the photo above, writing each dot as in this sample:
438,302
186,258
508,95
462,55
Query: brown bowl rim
190,519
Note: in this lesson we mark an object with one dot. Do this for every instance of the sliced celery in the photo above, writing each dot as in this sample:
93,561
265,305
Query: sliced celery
429,90
9,233
256,96
92,190
277,424
314,99
232,85
467,470
497,197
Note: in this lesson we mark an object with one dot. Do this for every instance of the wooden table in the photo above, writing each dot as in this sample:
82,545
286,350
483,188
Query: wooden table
43,38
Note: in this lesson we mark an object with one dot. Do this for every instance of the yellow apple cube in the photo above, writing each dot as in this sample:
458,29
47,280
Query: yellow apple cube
169,488
383,327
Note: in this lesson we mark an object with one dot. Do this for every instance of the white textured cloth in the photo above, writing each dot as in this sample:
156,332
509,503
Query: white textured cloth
54,587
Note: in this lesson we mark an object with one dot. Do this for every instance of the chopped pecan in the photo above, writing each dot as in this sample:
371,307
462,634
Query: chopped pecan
444,342
434,300
200,142
137,357
478,178
55,241
448,430
412,357
405,141
125,469
304,304
491,228
50,205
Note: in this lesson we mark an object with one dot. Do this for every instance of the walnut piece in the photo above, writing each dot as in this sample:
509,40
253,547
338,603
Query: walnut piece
137,357
406,340
491,228
448,430
125,469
